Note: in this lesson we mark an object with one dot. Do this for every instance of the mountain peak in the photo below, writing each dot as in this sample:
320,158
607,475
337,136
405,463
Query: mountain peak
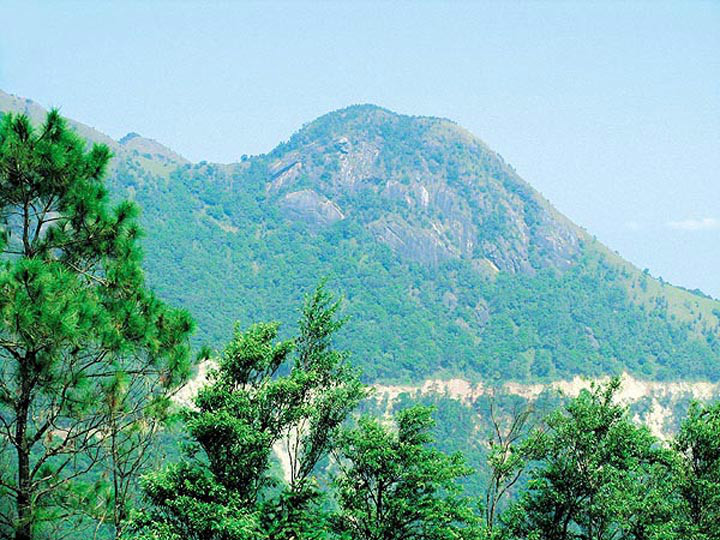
150,148
371,115
372,110
424,186
375,125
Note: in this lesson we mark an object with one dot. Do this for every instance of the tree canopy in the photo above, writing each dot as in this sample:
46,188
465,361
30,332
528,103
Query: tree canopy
77,322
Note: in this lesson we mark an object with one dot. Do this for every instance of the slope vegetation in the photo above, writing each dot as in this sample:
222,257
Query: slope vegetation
450,263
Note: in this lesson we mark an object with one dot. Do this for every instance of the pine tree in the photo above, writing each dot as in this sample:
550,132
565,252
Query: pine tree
76,320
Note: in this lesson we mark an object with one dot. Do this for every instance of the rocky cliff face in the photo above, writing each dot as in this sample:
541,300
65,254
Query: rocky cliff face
423,186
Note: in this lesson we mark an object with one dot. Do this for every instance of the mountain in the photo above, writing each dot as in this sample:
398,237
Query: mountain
146,153
450,263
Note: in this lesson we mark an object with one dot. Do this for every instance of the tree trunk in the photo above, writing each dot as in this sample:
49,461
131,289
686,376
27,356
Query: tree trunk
23,528
24,525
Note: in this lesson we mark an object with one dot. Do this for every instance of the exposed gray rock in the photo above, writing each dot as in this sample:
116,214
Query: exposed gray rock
311,207
482,312
423,186
419,244
284,173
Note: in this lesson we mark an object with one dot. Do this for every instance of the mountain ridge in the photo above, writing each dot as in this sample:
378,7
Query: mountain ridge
36,112
423,183
450,263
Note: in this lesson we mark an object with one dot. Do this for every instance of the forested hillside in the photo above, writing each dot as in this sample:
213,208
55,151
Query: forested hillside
449,263
100,435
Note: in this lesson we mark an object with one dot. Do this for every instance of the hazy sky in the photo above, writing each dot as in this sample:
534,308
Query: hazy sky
611,110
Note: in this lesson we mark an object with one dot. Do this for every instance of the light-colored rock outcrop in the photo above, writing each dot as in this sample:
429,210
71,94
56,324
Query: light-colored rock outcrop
311,207
658,417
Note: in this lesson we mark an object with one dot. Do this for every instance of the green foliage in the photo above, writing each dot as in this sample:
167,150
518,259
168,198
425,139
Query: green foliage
698,442
594,474
223,488
223,246
89,356
392,485
76,321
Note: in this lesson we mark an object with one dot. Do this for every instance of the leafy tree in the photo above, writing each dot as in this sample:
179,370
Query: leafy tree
393,485
595,475
698,442
224,488
505,461
326,390
75,318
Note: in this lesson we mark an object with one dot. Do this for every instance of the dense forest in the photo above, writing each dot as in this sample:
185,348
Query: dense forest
449,264
533,298
278,444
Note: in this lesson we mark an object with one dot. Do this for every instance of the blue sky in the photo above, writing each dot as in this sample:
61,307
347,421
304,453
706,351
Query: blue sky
611,110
